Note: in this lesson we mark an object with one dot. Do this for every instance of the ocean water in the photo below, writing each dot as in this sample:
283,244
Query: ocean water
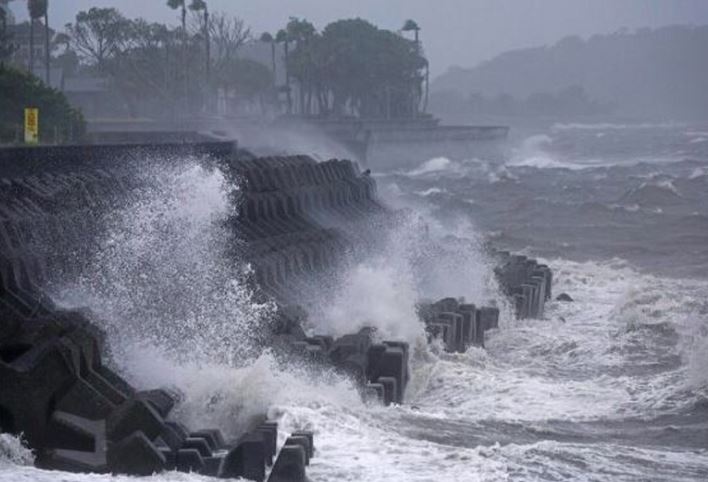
613,386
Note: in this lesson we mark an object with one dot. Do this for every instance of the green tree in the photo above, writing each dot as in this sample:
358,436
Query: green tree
67,60
146,72
57,119
153,67
284,37
201,6
98,35
303,34
356,68
412,26
228,34
182,5
246,79
268,38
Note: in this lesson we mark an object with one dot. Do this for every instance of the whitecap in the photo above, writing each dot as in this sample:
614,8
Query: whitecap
435,164
431,191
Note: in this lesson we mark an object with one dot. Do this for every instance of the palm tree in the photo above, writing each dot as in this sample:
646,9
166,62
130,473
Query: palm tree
268,38
283,37
174,5
46,42
37,9
412,26
302,32
201,6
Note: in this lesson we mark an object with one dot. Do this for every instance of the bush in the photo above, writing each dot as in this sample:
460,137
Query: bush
57,119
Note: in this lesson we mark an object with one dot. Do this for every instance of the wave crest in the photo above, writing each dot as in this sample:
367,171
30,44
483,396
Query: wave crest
14,452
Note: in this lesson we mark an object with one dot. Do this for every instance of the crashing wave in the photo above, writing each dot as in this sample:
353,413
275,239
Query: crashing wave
436,164
431,191
13,451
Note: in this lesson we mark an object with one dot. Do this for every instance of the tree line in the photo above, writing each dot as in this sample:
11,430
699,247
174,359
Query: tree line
167,70
349,68
352,68
59,122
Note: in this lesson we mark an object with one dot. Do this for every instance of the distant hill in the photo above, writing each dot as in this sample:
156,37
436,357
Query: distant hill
660,73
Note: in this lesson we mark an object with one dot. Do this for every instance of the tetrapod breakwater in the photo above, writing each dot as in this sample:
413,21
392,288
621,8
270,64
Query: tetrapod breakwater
295,218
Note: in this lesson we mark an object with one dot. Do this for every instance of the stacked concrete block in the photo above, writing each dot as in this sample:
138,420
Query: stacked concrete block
74,412
458,325
297,207
291,212
78,415
380,369
296,218
527,283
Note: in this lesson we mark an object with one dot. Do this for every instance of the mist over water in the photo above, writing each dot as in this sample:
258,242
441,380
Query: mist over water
611,386
416,259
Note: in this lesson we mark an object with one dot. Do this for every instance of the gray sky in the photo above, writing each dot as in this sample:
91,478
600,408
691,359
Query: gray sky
454,32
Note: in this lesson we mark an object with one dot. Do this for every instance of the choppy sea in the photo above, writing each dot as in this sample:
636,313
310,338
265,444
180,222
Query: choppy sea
612,386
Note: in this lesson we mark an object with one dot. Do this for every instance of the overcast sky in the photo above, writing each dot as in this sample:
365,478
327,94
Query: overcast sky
454,32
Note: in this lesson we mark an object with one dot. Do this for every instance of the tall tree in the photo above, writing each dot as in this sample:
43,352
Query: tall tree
201,6
359,69
141,71
67,60
228,34
412,26
283,37
46,42
181,4
249,80
268,38
302,33
98,35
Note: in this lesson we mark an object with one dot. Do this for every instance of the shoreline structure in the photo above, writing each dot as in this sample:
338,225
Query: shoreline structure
294,217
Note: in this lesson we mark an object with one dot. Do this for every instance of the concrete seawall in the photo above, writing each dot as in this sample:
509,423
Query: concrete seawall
297,218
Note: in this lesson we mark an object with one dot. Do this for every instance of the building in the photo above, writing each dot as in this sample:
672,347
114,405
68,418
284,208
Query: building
21,37
93,95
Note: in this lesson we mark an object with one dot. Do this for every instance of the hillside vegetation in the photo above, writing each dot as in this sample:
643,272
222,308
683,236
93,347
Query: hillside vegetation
660,73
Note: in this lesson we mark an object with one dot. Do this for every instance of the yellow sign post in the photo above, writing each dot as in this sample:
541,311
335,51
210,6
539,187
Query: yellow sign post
31,125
